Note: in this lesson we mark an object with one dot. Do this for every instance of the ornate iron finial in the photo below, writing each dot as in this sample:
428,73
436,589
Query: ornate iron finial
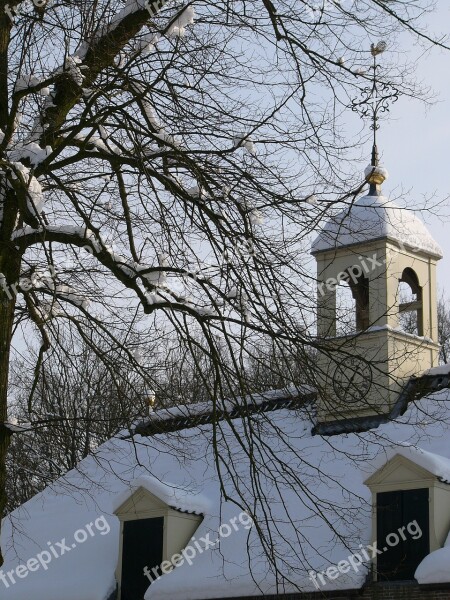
374,101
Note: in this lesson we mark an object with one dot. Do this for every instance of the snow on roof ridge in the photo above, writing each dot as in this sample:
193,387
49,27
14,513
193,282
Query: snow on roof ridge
441,370
371,218
198,409
183,499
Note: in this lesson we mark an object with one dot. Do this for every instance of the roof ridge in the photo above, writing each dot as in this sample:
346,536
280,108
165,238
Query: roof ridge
214,414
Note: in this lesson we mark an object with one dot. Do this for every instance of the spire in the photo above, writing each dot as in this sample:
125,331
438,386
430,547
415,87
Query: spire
375,100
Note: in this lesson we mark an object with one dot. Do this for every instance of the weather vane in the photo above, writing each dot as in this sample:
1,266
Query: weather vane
375,100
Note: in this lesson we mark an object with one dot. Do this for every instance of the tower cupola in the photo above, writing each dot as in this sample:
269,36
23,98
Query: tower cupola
378,250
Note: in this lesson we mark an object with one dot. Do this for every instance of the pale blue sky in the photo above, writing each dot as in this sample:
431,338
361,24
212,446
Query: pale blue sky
415,143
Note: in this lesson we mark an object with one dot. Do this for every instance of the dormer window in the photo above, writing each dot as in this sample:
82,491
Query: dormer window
152,533
411,513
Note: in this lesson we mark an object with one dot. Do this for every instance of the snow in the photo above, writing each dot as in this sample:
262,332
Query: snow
197,192
441,370
435,567
245,142
372,218
101,145
159,132
131,6
372,170
154,298
30,81
68,293
178,27
26,81
256,217
184,500
73,66
312,199
31,151
146,44
437,465
151,115
127,266
35,195
14,426
179,468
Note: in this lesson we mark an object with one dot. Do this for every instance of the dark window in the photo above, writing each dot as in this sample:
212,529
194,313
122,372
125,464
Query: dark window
142,547
360,291
402,516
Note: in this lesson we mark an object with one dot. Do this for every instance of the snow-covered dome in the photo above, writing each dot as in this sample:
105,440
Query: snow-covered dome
375,217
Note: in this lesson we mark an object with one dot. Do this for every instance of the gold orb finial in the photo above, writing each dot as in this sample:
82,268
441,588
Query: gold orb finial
375,176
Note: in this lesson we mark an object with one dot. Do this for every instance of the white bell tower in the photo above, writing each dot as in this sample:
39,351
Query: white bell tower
374,247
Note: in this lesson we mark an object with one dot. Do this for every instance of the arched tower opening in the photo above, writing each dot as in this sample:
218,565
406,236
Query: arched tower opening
410,303
352,304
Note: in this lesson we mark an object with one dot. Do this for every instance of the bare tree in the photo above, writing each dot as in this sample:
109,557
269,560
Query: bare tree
82,399
444,329
141,154
80,402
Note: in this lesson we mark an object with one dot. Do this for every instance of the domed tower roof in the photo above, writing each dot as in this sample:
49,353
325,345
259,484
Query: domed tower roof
375,217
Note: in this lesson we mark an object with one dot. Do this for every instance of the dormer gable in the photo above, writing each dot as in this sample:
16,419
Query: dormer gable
400,471
411,506
157,521
139,503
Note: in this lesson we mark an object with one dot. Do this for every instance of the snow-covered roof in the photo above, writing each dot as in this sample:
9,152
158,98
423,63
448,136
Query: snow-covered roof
436,465
372,218
184,500
329,506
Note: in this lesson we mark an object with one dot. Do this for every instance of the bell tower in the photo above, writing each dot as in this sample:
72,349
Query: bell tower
377,250
374,248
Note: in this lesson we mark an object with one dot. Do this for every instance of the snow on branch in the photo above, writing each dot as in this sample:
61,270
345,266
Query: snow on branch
31,151
245,142
34,193
30,82
149,282
185,18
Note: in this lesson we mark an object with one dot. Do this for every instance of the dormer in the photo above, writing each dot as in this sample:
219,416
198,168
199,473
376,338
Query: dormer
411,511
156,523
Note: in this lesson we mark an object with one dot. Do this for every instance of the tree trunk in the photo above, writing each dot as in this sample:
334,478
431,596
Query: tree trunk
10,264
6,324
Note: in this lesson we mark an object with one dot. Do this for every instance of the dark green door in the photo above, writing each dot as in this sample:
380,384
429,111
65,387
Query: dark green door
402,533
142,547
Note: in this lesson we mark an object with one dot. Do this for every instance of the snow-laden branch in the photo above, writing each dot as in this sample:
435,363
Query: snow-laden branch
148,282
